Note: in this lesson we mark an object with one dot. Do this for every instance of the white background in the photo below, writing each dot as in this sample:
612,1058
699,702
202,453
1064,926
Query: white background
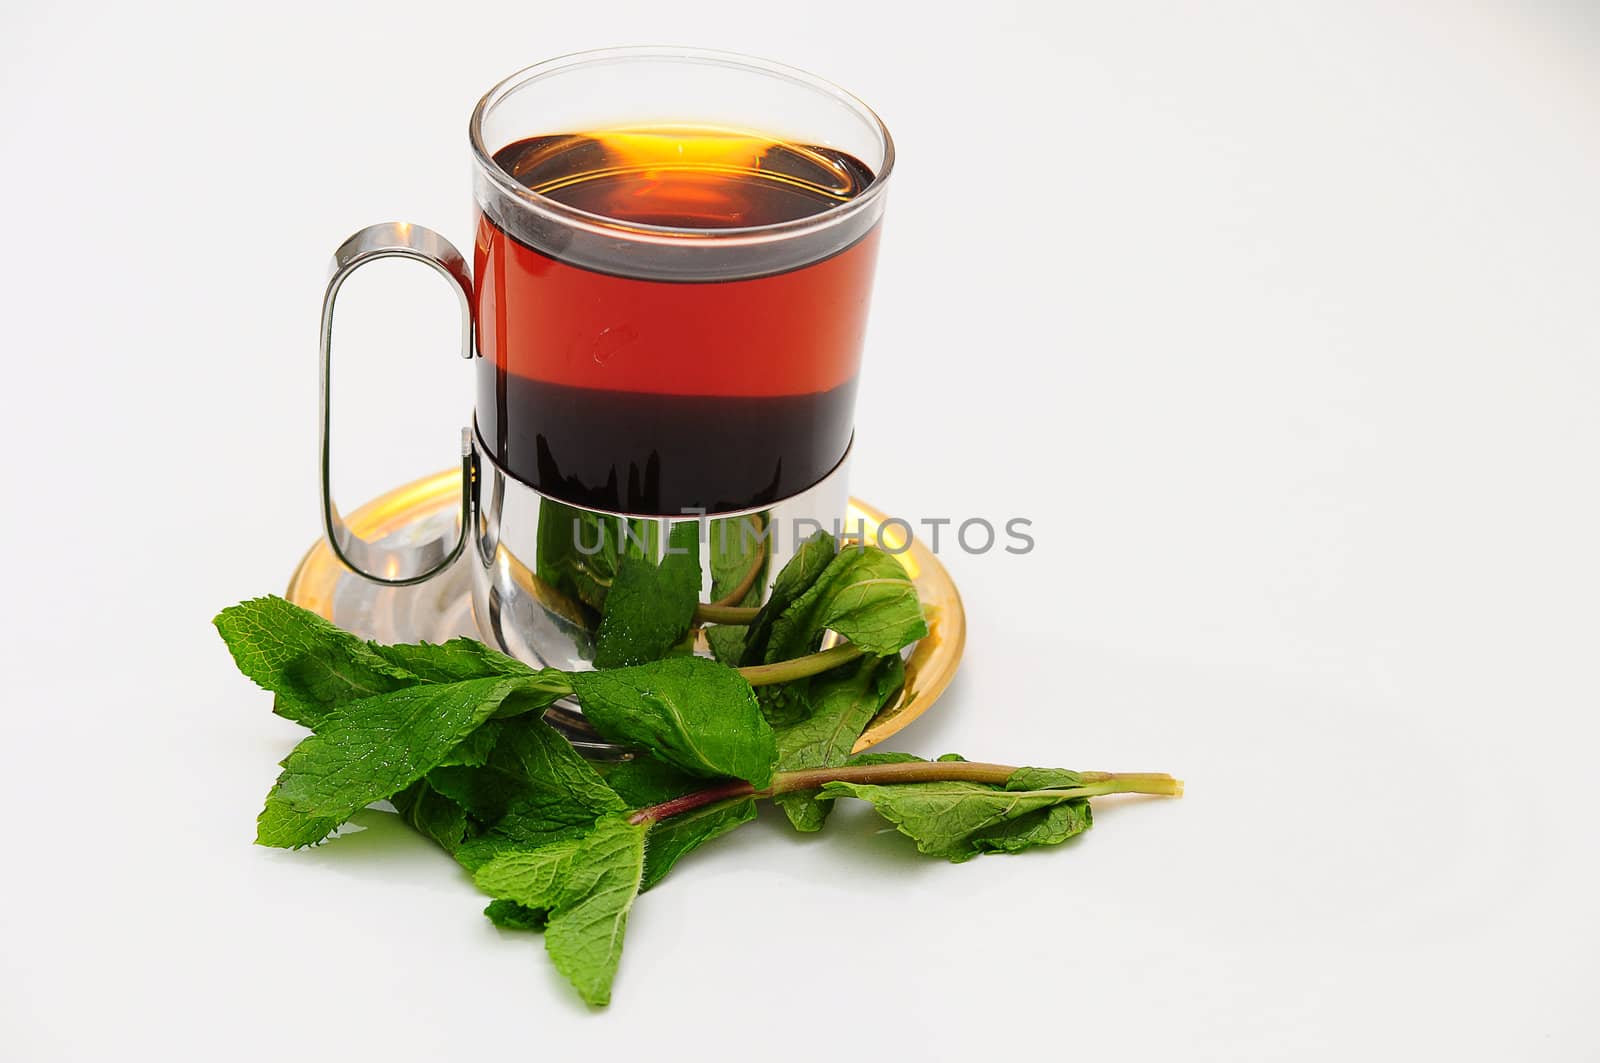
1279,321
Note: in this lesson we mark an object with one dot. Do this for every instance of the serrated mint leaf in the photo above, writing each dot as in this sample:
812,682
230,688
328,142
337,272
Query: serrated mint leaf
533,787
864,594
371,749
475,852
579,551
810,560
876,607
588,885
727,643
509,915
647,781
313,667
1038,778
960,820
308,663
690,712
473,750
672,839
644,781
839,706
738,549
282,827
451,662
885,758
433,815
650,607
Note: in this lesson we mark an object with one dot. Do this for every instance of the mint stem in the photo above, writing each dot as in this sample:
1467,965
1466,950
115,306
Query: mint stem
717,613
1095,783
800,667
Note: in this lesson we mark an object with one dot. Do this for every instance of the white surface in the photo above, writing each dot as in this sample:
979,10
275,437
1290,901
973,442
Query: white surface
1279,322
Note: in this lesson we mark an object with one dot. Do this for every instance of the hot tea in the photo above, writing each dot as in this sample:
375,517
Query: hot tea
608,380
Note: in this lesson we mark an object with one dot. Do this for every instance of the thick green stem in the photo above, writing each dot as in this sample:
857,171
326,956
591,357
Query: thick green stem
715,613
1095,783
800,667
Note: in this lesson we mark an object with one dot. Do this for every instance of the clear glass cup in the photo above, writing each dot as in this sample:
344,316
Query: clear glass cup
669,288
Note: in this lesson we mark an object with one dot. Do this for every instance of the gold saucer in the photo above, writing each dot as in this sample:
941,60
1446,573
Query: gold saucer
441,608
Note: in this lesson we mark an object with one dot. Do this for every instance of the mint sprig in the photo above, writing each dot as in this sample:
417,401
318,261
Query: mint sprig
453,737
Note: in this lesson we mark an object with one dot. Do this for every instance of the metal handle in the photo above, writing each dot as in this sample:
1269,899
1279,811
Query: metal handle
394,565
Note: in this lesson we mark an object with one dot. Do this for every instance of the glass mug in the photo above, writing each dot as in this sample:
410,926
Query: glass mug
672,268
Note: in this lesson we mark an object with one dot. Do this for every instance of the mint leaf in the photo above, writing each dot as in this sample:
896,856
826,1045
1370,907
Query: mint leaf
644,781
647,781
739,548
650,607
433,815
509,915
886,758
474,750
282,827
875,605
690,712
672,839
578,551
588,885
960,820
308,663
865,595
371,749
840,705
533,787
313,667
451,662
727,643
809,562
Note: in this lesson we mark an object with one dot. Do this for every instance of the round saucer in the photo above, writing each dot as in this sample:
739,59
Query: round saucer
441,608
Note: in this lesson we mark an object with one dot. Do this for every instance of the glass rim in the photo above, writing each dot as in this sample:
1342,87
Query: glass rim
671,234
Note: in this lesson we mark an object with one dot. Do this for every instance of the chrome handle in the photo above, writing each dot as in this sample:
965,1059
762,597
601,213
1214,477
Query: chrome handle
390,564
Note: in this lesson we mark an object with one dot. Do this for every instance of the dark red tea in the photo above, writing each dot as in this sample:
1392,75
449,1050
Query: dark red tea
627,388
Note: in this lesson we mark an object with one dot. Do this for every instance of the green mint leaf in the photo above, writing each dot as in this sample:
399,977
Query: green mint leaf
960,820
588,885
475,852
739,548
1037,778
840,705
433,815
810,560
313,667
451,662
509,915
371,749
690,712
308,663
885,758
875,607
647,781
674,838
578,552
727,643
651,607
475,749
644,781
533,787
282,827
865,595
